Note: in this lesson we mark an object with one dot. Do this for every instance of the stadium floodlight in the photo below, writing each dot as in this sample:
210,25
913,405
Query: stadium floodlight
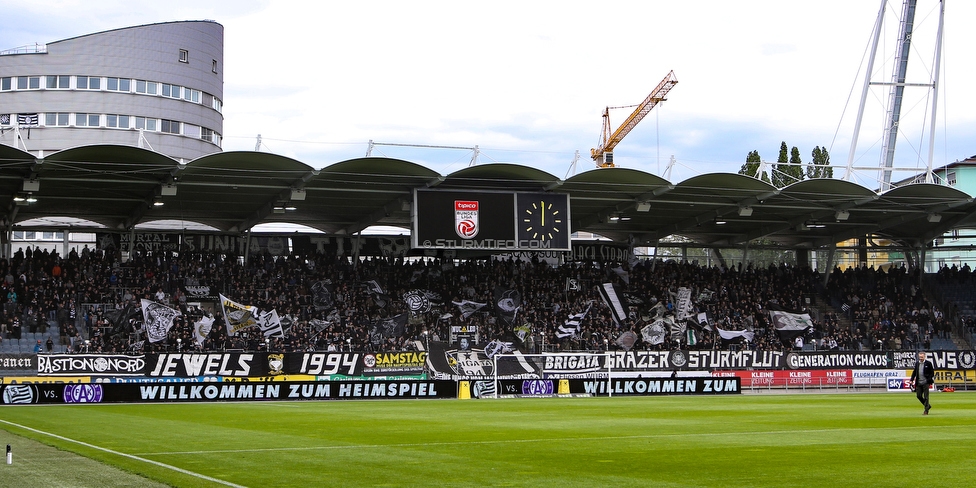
842,215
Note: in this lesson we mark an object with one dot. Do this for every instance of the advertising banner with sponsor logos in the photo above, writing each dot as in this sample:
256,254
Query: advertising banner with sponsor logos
789,377
223,391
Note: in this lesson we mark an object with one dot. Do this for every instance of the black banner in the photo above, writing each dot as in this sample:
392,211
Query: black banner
253,364
658,386
90,365
717,359
17,363
222,391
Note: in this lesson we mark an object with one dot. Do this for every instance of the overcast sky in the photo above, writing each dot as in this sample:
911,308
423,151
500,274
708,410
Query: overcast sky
527,81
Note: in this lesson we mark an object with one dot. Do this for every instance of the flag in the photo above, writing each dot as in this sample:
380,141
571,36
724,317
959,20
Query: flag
202,328
626,340
323,296
845,308
507,304
373,287
4,119
421,301
677,328
157,319
573,284
270,324
237,316
388,327
706,296
683,305
653,333
730,335
692,338
27,119
615,300
468,307
572,325
790,325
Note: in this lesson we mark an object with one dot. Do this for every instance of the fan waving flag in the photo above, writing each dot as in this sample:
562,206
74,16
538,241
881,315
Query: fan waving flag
615,300
572,326
270,324
237,316
468,307
157,319
507,304
790,325
202,328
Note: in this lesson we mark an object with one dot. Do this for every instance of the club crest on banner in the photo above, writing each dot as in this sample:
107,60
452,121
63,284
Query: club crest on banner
276,364
466,218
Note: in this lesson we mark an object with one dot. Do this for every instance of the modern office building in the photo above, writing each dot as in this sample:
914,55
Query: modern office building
157,86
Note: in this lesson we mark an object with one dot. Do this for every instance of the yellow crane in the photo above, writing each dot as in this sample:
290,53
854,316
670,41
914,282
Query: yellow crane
603,155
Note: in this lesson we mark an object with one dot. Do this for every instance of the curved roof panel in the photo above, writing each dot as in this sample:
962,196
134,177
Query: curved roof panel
116,186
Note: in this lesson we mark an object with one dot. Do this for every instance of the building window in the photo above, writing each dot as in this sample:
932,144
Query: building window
213,67
28,82
184,56
58,82
118,84
172,91
87,120
117,121
170,126
147,87
5,83
951,178
217,105
59,119
146,124
206,134
191,95
88,83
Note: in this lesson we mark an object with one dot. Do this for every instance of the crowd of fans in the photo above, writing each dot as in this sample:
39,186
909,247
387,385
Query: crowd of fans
92,299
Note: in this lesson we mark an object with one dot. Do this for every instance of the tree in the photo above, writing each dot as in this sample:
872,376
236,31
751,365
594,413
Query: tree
819,166
752,165
789,167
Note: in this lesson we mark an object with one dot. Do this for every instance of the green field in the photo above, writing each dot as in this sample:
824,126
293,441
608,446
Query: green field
872,439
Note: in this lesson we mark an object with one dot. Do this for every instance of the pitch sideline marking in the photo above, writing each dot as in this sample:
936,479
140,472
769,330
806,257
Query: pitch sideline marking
130,456
502,441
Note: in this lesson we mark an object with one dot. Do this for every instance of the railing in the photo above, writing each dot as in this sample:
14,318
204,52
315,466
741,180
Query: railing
35,48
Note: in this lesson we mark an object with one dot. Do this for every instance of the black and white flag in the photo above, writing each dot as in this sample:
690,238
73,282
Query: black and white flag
507,304
157,319
615,300
421,301
731,335
572,326
323,297
573,284
27,119
468,307
4,119
387,328
270,324
653,333
202,328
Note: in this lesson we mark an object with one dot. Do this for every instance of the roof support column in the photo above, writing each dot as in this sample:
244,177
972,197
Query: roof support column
132,244
721,259
829,267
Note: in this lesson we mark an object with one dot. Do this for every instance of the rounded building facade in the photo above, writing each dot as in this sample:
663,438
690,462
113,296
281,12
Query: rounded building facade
157,86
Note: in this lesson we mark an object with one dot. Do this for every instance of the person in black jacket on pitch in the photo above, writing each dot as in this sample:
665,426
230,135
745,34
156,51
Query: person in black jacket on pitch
922,376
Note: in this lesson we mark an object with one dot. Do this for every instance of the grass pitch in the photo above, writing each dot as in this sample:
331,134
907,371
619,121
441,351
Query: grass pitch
874,439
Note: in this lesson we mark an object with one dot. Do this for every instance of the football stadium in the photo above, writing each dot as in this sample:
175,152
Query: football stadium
612,327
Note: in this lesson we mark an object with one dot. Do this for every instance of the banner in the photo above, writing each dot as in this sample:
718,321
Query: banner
16,363
658,386
90,365
507,304
223,392
790,378
237,316
446,362
387,328
394,363
184,365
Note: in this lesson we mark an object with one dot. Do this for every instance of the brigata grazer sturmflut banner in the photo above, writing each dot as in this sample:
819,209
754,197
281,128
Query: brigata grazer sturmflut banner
224,392
716,359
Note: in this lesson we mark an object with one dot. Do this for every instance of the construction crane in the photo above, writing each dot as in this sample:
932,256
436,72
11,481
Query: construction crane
603,155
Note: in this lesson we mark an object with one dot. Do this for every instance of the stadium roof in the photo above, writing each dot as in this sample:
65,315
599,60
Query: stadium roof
116,186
